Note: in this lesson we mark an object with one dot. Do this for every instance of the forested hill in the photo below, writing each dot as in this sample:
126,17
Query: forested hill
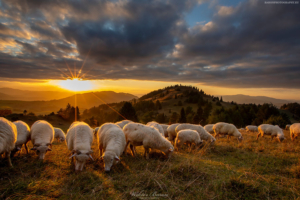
189,104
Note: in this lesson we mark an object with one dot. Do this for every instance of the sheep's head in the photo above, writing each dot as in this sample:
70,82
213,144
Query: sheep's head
169,151
80,158
16,149
110,158
280,137
199,143
212,141
41,150
62,139
240,138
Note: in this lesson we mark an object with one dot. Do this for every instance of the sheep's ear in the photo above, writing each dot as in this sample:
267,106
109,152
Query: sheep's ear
90,151
91,157
49,144
34,148
49,149
117,158
72,156
171,149
18,148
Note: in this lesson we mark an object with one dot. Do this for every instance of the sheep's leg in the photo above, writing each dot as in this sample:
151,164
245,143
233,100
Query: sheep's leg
126,147
100,150
257,136
132,150
146,154
7,154
292,137
26,148
228,137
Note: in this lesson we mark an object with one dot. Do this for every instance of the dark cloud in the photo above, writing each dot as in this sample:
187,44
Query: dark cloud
250,45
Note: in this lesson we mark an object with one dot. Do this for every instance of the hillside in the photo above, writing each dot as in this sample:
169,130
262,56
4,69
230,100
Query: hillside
28,95
85,100
240,98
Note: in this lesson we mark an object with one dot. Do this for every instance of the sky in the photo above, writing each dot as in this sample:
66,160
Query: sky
136,46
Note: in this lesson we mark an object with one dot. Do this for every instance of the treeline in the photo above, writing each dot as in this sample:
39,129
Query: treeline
247,114
70,113
294,108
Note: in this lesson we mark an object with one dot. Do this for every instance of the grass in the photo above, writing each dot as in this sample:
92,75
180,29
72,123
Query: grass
249,170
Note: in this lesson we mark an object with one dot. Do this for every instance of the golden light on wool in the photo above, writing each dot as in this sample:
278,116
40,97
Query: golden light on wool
76,84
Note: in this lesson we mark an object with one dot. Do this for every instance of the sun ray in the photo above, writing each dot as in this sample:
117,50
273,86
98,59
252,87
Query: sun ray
85,60
69,69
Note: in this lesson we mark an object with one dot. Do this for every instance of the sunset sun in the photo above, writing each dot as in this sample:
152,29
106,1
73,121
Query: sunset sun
75,84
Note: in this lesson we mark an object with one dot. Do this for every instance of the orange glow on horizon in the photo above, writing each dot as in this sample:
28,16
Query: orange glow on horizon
75,84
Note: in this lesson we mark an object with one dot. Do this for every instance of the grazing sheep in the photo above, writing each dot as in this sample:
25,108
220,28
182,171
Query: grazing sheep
273,131
251,128
287,127
23,137
138,134
295,130
165,128
209,128
171,132
241,129
112,140
204,135
59,134
42,135
157,126
187,136
122,123
223,128
8,137
79,140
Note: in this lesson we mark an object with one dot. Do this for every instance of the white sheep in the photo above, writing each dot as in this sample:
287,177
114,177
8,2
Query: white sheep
204,135
23,137
157,126
79,140
241,129
42,135
251,128
59,134
295,130
209,128
122,123
222,128
138,134
171,132
187,136
273,131
112,141
165,128
8,137
287,127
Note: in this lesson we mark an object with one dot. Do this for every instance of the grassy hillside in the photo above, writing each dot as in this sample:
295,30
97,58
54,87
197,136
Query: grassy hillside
249,170
83,101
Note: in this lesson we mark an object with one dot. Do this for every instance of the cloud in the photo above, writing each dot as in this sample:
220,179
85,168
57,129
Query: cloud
249,45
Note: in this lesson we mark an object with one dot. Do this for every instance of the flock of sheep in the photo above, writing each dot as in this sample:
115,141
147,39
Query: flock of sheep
114,138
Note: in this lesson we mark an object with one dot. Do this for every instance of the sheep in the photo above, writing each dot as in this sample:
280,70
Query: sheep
138,134
79,141
157,126
187,136
23,132
42,135
122,123
295,130
165,128
273,131
287,127
251,128
8,137
223,128
59,134
209,128
241,129
204,135
171,132
112,140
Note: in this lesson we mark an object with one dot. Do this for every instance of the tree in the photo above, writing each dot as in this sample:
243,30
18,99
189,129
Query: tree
173,118
128,112
179,103
196,119
158,105
188,110
221,100
161,118
175,96
182,118
25,112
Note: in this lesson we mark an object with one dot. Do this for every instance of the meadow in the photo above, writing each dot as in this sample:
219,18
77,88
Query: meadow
251,169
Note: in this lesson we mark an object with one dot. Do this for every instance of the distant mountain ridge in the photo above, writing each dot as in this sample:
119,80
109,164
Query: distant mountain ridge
83,101
241,98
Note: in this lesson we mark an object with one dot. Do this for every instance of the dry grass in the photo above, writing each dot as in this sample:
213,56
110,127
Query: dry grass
250,170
